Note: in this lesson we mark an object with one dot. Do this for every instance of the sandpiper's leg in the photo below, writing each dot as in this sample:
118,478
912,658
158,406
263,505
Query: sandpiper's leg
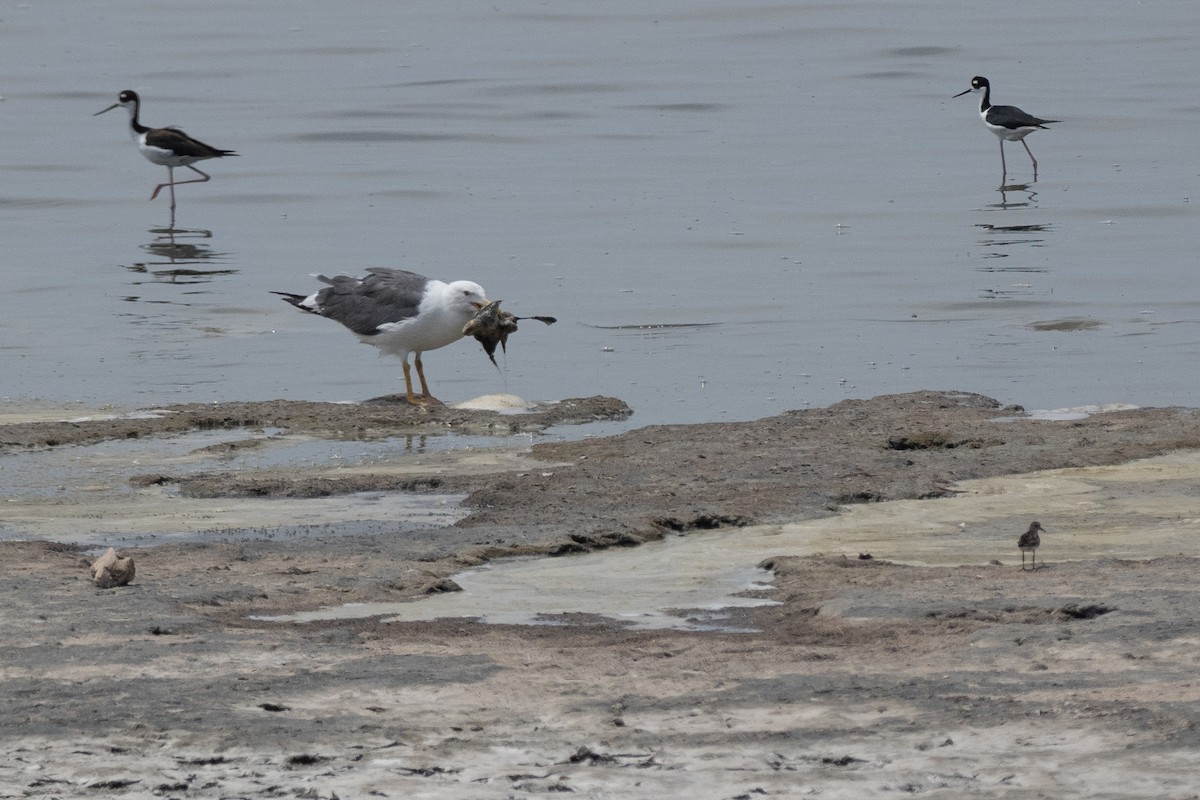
1033,558
1022,561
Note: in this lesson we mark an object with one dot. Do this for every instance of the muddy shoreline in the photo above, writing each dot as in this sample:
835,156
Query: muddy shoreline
381,416
869,678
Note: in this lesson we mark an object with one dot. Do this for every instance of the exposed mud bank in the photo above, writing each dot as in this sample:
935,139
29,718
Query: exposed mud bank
867,678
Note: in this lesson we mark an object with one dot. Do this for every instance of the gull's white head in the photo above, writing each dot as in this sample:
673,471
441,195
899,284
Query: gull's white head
467,296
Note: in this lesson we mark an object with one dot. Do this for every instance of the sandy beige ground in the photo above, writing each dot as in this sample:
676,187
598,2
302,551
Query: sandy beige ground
870,678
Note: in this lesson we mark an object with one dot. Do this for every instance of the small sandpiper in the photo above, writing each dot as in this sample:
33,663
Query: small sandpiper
1029,541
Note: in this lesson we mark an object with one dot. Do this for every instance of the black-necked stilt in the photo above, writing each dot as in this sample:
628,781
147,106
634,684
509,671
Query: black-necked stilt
168,147
1030,541
1007,122
399,312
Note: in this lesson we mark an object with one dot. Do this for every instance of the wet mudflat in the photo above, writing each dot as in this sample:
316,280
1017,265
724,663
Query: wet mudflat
867,677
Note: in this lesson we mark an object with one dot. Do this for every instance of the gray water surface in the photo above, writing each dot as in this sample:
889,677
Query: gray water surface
733,209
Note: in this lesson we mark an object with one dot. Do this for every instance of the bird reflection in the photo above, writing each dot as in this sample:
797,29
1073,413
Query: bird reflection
179,255
1009,235
1023,196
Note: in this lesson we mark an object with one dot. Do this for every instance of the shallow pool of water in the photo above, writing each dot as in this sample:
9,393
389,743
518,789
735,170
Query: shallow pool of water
1144,509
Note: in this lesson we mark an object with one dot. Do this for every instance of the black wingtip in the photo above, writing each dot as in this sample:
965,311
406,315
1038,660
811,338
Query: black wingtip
294,299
